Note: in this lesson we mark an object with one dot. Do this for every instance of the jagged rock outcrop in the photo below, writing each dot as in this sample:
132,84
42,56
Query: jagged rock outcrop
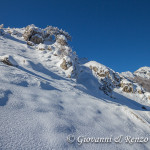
109,80
37,35
51,31
33,34
105,78
59,47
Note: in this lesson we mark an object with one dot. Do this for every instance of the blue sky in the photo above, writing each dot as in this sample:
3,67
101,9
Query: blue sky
115,33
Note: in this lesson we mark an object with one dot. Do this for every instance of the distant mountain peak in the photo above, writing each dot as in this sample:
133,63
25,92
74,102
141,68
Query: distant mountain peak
143,72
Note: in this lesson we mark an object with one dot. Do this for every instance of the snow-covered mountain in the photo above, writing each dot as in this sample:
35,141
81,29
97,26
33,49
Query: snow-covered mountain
141,76
50,99
143,72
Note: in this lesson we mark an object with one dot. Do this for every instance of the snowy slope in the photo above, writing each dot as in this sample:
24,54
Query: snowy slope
41,103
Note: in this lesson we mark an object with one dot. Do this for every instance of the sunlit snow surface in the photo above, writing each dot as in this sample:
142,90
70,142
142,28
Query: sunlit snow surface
40,106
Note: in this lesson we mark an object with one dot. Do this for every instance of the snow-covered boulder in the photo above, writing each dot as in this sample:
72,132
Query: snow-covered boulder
8,60
41,47
65,64
30,43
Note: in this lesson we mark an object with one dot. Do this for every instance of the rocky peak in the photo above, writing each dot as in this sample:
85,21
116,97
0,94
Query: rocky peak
143,72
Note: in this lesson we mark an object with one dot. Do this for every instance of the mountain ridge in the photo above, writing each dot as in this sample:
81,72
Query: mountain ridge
48,93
